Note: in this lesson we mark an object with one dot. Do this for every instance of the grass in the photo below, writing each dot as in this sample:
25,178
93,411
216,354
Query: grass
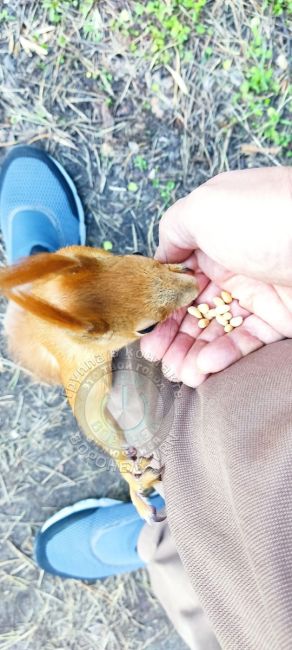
261,91
163,25
279,7
141,102
162,32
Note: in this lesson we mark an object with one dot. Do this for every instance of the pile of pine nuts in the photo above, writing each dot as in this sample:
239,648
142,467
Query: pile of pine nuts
204,313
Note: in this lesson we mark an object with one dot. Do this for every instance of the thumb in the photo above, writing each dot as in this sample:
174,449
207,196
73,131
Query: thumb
176,241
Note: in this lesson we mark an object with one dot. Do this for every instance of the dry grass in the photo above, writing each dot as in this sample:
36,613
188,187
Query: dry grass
135,131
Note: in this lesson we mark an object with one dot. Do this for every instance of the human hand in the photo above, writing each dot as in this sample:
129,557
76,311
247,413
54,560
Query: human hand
234,233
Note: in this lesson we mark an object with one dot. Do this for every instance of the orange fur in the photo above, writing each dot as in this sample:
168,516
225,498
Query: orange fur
82,302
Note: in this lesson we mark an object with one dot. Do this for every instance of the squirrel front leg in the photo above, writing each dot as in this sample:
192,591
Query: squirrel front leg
99,425
140,477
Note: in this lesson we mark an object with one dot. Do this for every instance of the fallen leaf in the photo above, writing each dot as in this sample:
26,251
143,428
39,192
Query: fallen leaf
11,44
282,62
107,150
133,146
46,28
250,149
30,47
178,79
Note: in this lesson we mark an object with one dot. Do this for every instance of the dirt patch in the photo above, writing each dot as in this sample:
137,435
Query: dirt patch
136,130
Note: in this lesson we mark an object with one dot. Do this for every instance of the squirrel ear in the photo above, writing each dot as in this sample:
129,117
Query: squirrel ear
52,314
45,310
33,268
41,266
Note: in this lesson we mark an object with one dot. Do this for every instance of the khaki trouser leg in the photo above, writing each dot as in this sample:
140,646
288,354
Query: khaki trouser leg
172,587
228,489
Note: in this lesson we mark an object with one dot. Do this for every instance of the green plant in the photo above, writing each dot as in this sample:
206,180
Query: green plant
62,40
273,128
259,74
85,7
5,16
260,91
54,9
107,245
91,21
259,80
166,190
166,25
280,6
140,163
57,8
133,187
91,31
105,78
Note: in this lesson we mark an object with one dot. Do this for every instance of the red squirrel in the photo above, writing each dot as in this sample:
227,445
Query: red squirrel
68,306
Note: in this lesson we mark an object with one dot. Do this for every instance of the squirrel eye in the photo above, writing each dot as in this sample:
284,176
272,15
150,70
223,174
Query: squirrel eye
147,329
137,253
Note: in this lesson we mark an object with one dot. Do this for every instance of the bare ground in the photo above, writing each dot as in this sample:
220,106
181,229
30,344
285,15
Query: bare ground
99,109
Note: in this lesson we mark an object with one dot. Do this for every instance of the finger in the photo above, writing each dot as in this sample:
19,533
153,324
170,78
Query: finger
264,300
211,356
188,335
175,355
189,331
222,352
214,350
215,271
176,243
191,262
225,351
190,374
190,371
154,345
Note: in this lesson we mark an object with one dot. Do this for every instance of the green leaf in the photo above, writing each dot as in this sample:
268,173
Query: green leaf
107,245
133,187
226,65
140,163
200,28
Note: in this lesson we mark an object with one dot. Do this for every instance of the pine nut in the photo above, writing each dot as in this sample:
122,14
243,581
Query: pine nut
218,301
221,319
203,307
221,309
194,311
236,321
211,314
227,316
204,322
227,297
228,328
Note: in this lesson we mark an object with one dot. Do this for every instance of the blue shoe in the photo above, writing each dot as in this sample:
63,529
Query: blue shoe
40,209
92,539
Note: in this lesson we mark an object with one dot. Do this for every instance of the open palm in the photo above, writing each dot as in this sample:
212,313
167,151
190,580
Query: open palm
189,353
234,233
